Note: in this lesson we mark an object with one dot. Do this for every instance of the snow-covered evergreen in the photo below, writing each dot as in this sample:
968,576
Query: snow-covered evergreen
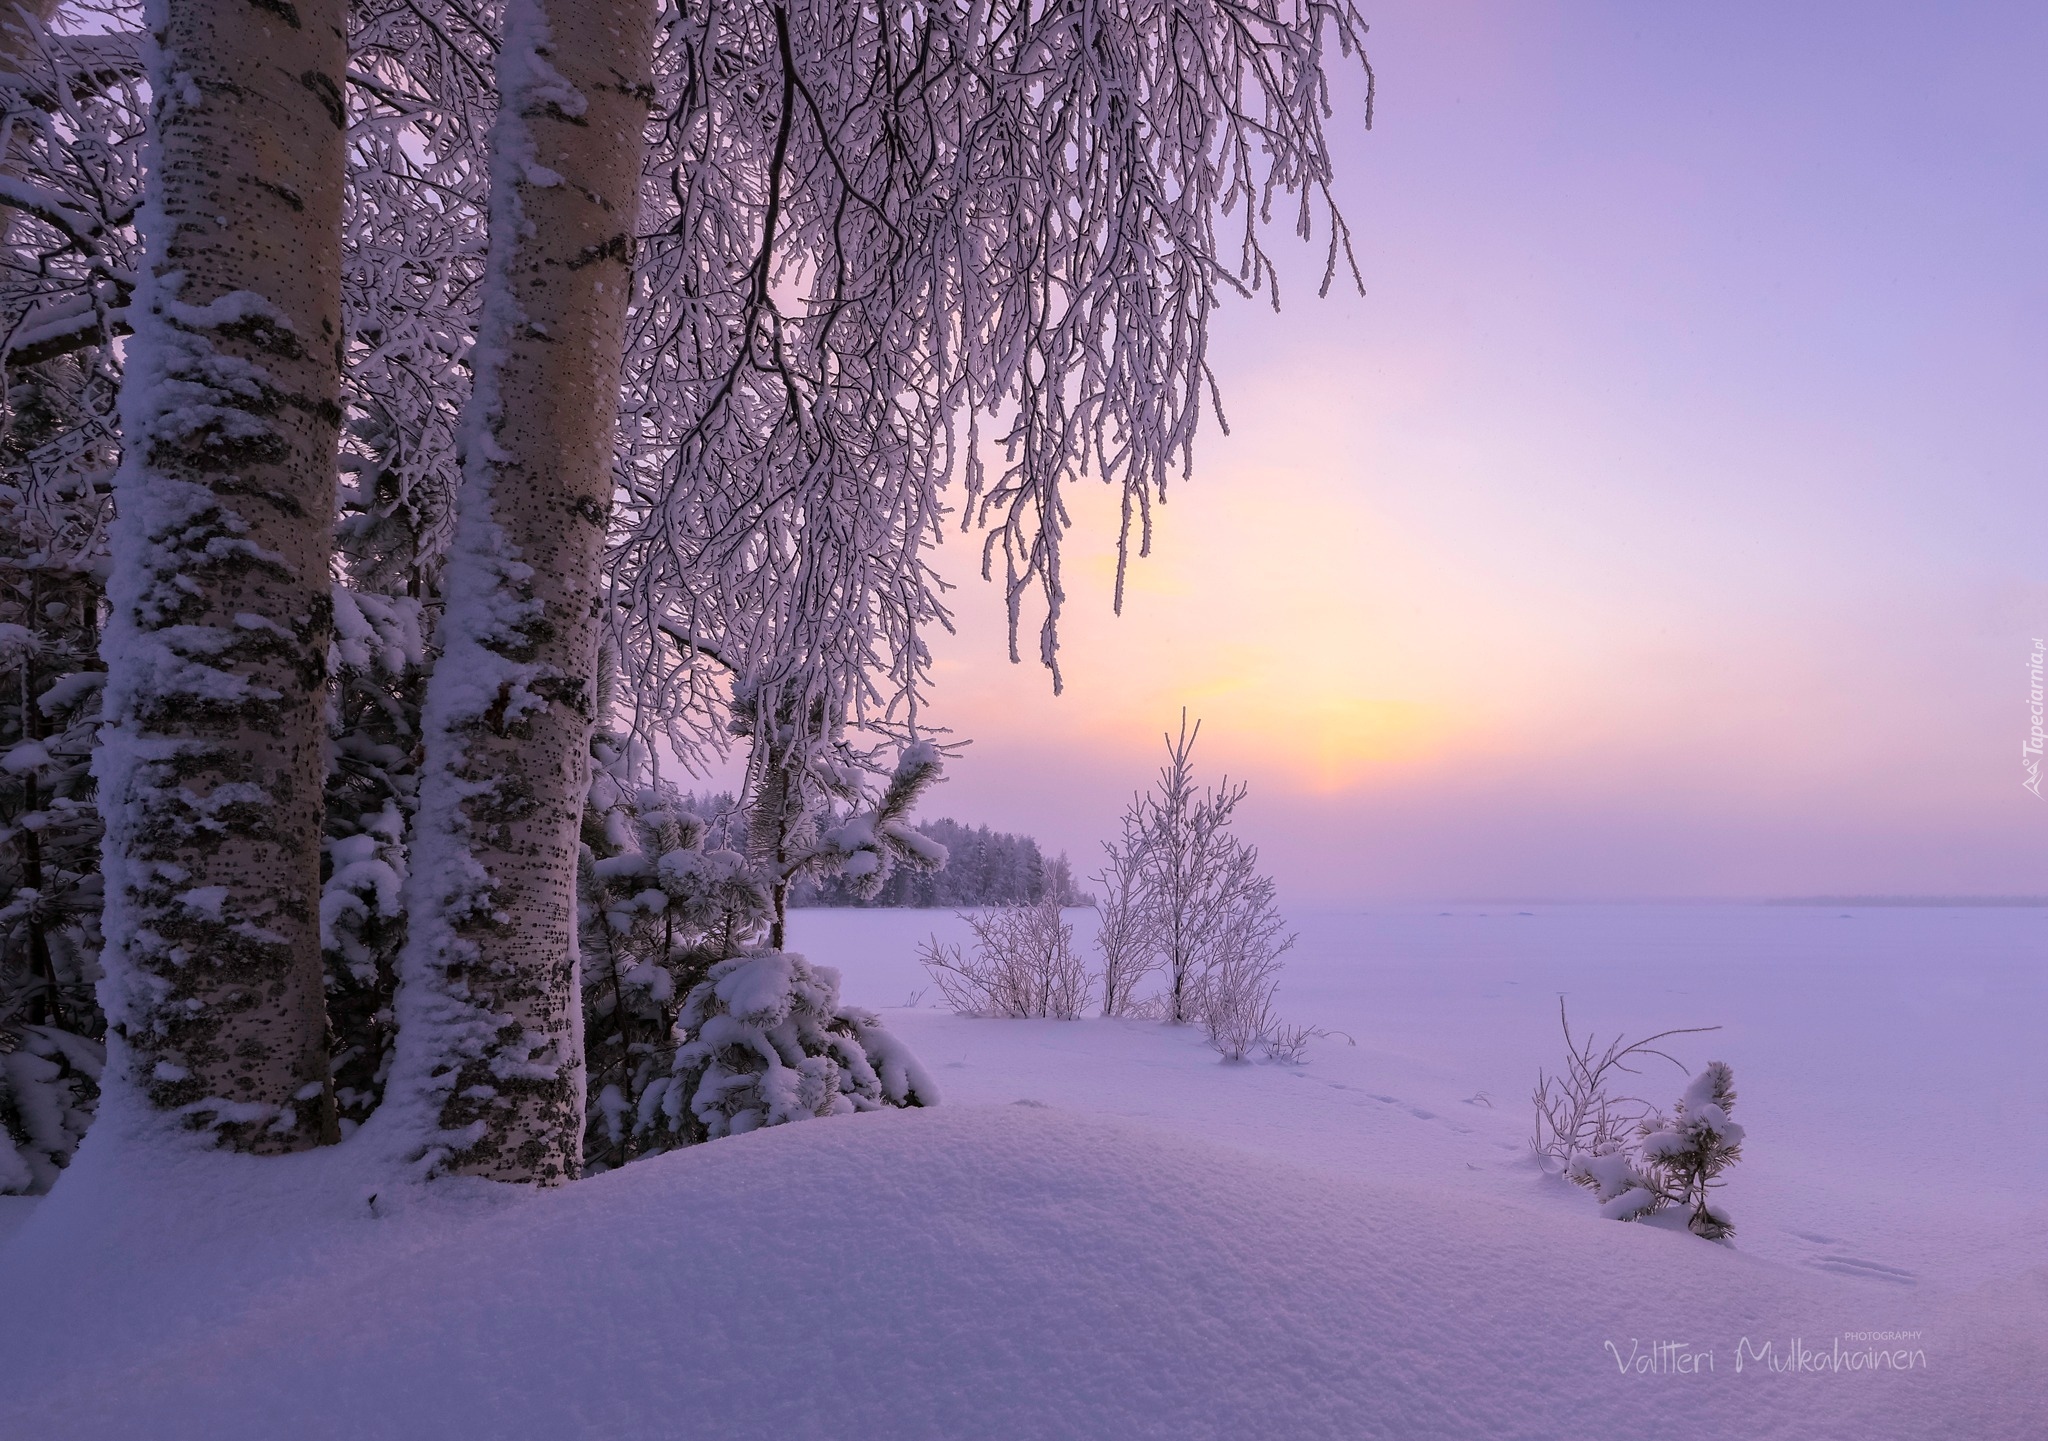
1695,1145
769,1042
52,556
662,900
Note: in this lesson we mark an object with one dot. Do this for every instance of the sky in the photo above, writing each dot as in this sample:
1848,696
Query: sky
1667,519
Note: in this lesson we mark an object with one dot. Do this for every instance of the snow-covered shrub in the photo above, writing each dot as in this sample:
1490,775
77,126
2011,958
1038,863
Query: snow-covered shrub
1632,1157
1691,1149
1579,1111
766,1041
49,1086
1023,965
671,888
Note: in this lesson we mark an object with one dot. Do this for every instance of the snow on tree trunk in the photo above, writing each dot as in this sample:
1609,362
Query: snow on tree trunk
214,752
489,1073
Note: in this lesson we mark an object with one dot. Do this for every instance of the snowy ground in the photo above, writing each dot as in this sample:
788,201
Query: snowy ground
1156,1244
1888,1060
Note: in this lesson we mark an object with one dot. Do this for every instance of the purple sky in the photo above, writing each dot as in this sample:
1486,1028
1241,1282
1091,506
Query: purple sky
1667,520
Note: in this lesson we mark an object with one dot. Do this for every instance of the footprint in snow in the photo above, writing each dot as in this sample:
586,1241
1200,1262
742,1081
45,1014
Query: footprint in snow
1844,1265
1870,1270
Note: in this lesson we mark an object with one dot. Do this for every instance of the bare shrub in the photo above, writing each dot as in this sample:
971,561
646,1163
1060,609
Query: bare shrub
1288,1044
1578,1111
1023,965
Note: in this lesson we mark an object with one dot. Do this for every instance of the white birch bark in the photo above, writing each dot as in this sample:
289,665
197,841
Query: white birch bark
489,1073
213,755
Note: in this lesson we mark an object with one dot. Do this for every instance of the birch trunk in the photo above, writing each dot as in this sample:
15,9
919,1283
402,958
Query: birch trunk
214,752
489,1072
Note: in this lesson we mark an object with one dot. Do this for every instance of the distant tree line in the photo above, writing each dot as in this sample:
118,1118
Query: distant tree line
983,868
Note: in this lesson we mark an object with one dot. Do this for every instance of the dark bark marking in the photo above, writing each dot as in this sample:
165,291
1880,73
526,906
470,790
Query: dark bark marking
328,94
616,248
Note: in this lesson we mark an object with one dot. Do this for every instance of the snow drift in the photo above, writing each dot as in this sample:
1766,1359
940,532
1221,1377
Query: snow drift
1007,1271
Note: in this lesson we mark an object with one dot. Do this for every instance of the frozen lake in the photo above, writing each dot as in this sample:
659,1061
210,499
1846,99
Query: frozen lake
1887,1059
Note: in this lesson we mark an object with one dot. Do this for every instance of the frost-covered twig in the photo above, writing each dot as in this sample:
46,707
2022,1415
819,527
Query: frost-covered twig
1576,1111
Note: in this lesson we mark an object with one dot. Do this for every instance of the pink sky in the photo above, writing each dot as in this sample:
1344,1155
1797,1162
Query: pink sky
1666,521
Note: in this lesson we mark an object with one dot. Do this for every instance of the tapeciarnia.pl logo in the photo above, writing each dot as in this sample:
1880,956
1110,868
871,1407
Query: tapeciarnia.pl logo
2030,753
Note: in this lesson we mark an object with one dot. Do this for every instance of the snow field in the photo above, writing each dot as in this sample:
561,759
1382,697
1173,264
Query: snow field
1154,1243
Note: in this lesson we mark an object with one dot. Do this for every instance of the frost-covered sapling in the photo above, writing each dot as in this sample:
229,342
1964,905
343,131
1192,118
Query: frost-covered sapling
1693,1148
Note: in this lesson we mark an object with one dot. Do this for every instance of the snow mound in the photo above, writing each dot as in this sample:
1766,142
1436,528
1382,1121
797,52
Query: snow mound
1004,1272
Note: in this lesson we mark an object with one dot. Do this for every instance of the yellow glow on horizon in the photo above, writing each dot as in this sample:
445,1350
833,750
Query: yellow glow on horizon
1333,742
1321,648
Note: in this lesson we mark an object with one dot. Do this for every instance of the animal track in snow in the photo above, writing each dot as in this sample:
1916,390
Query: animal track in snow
1872,1270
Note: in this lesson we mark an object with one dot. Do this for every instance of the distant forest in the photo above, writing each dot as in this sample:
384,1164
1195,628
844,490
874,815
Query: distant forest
983,868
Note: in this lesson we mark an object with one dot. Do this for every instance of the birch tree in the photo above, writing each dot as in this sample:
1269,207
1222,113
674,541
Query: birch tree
489,1073
1190,864
872,231
212,757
